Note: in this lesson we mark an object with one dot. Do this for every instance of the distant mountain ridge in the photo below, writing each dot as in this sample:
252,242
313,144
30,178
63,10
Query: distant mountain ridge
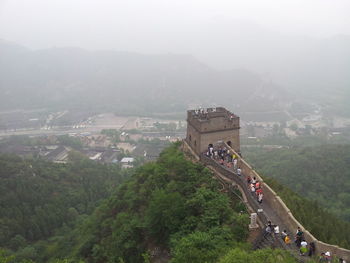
312,68
77,78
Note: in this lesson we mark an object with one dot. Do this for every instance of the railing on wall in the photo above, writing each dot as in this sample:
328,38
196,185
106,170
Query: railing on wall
253,205
283,212
225,172
270,197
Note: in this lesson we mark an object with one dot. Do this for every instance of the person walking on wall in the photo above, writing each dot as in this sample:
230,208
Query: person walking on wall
260,198
312,249
235,164
268,229
249,179
276,230
254,180
303,247
284,234
299,237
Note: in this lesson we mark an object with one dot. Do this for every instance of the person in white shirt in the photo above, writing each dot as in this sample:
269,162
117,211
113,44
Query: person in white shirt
284,234
260,198
303,247
234,164
252,188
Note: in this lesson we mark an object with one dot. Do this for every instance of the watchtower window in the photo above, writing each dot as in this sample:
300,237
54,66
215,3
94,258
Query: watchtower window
195,143
189,137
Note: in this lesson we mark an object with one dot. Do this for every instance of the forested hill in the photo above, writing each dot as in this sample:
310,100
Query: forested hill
168,211
172,206
171,210
39,199
320,173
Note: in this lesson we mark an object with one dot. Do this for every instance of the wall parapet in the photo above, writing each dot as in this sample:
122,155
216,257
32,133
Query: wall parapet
252,205
285,214
201,119
272,198
208,161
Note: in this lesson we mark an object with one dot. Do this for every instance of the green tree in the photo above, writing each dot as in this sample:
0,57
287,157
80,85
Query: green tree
201,247
5,258
237,255
17,242
164,214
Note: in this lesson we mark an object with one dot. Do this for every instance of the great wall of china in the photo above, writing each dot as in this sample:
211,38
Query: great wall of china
273,207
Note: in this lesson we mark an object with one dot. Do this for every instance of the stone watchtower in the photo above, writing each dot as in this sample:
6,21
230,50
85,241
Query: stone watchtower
209,126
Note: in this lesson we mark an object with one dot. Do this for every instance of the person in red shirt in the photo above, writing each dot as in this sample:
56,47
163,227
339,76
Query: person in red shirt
249,179
257,185
259,191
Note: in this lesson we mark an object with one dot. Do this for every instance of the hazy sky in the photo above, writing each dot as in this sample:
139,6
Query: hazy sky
149,25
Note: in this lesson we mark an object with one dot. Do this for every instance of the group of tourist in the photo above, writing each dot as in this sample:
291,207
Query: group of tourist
220,154
326,257
303,246
254,186
271,229
224,157
230,160
305,249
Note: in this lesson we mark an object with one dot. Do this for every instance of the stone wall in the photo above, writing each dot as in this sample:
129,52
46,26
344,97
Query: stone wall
242,186
210,120
283,212
193,138
270,197
225,135
199,141
211,126
185,148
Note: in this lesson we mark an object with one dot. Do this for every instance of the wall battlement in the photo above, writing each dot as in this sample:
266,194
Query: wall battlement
270,197
215,125
283,212
207,126
212,119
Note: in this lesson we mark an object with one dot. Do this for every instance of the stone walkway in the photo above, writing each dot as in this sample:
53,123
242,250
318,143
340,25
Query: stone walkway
267,211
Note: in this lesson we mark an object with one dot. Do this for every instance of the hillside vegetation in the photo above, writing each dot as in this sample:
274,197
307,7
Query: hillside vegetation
39,199
171,210
173,205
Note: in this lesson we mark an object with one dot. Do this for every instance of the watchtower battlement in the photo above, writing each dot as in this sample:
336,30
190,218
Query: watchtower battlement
212,119
208,126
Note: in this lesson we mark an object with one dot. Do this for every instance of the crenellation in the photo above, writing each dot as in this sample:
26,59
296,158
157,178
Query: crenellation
207,126
212,118
220,126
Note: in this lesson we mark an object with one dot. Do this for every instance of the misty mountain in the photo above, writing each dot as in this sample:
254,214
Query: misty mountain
296,61
77,78
313,68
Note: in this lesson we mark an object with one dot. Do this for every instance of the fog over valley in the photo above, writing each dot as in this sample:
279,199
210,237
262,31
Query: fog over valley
165,131
162,56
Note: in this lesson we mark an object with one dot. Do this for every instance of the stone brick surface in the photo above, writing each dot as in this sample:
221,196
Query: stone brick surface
208,126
